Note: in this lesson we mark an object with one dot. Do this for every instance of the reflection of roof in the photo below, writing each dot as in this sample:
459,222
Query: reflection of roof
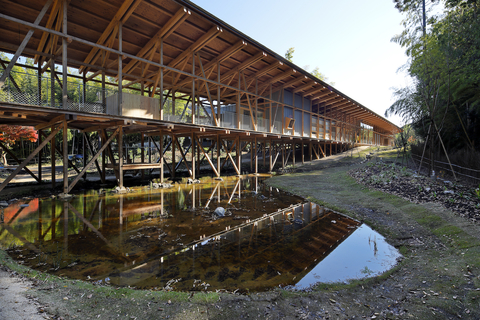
184,29
276,249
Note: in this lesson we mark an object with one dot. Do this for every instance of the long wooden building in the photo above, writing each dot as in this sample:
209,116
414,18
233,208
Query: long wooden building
165,68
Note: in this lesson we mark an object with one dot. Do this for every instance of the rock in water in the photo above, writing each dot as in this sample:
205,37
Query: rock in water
219,212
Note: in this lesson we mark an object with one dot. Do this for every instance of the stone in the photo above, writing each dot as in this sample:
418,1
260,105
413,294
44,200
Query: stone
219,212
3,204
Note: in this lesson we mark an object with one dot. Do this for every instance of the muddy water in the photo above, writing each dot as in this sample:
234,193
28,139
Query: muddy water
172,238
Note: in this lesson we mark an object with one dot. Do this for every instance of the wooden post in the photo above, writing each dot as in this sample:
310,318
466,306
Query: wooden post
65,157
161,80
192,146
310,153
239,155
219,167
84,153
173,157
293,153
104,158
40,153
193,90
162,159
120,76
39,83
271,156
142,154
218,102
264,147
52,83
251,156
64,65
256,157
270,129
302,146
120,157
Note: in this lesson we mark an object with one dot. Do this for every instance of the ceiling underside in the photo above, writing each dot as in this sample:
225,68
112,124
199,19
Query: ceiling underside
192,41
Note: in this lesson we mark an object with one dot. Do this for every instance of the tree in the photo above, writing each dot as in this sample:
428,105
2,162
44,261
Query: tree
289,54
9,135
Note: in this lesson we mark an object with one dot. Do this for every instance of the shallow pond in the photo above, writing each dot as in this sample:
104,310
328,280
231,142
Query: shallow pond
178,238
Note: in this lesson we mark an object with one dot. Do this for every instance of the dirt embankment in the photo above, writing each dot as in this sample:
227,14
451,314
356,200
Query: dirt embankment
439,277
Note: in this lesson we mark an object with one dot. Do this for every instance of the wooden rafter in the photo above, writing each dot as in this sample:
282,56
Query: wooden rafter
150,47
110,33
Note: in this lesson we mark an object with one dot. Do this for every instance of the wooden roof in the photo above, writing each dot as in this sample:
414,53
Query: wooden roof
93,45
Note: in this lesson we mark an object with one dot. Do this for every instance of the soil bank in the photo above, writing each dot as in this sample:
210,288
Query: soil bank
438,277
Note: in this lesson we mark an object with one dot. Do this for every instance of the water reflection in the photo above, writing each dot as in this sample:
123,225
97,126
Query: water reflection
171,238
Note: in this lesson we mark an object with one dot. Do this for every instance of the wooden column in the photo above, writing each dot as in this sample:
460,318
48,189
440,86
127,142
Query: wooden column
173,157
64,64
193,90
142,154
264,147
271,156
40,153
193,147
39,83
120,75
239,155
256,157
219,166
161,159
218,102
104,159
52,83
65,157
161,80
302,146
293,146
251,156
120,157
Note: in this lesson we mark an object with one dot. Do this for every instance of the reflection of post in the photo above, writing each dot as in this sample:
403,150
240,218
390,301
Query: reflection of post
53,224
121,212
235,189
161,199
39,220
65,227
194,191
213,194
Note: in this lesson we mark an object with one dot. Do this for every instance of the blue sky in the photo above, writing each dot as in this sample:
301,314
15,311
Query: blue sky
349,40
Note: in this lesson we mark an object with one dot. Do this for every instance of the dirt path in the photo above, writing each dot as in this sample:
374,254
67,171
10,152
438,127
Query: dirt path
439,277
14,303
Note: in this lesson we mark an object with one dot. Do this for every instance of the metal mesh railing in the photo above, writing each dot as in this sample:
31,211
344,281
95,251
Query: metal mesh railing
27,88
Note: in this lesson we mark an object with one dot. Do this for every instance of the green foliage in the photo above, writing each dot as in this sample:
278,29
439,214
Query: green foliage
445,67
477,192
289,54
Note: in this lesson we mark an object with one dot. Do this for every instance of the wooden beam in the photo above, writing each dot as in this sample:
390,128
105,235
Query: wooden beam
94,159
